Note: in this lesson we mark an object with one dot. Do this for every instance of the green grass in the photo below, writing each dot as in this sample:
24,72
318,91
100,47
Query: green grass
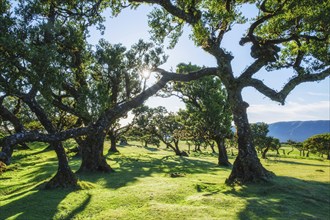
142,188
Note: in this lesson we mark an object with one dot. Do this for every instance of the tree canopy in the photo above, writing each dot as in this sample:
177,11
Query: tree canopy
282,35
208,114
319,143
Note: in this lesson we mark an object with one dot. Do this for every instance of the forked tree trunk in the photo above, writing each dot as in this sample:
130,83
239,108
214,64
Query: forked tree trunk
223,157
264,153
92,154
247,166
64,177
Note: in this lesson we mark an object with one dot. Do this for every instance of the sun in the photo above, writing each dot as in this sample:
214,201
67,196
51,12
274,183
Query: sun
145,73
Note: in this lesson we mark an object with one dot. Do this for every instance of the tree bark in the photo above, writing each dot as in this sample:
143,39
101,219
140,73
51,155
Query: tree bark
212,147
64,177
174,148
290,151
223,157
6,115
247,166
113,141
92,154
277,151
264,153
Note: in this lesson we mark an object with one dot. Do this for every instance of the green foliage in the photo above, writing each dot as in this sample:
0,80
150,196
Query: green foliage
319,143
164,25
212,17
207,114
262,142
158,123
306,22
259,134
44,47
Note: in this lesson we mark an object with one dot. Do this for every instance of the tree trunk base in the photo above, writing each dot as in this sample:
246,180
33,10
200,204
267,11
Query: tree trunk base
111,150
62,179
224,164
182,153
248,170
101,167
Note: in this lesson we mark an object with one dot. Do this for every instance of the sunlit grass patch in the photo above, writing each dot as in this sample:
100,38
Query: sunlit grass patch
156,184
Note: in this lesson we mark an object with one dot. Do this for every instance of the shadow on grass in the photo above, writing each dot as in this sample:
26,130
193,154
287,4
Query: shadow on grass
300,163
285,197
33,204
132,168
152,149
41,204
28,199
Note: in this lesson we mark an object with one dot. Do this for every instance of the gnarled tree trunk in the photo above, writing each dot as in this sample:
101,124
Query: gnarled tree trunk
247,166
92,154
64,176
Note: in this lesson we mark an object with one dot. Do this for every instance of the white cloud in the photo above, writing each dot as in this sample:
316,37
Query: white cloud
292,111
318,94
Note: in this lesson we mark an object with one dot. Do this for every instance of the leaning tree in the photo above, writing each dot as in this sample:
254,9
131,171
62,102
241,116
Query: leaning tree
284,34
46,63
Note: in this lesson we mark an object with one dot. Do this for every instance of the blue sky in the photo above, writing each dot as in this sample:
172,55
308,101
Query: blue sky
309,101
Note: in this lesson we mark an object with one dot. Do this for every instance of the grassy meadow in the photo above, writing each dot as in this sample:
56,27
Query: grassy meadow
152,183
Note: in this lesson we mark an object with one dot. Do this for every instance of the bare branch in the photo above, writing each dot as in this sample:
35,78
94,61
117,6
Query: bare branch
251,70
30,136
289,86
6,115
187,77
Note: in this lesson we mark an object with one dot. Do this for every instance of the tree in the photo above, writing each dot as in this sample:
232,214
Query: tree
259,133
141,128
165,126
33,36
208,112
271,144
283,34
43,46
46,63
319,143
262,142
51,64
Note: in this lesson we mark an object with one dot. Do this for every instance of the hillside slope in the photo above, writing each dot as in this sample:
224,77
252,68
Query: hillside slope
298,130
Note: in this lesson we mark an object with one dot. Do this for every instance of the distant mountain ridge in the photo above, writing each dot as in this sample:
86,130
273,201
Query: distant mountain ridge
298,130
